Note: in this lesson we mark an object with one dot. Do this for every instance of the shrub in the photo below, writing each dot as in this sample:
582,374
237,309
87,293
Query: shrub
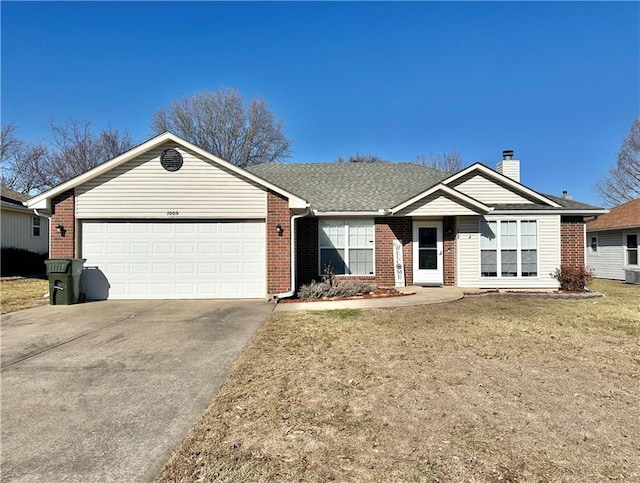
328,275
338,288
573,279
17,261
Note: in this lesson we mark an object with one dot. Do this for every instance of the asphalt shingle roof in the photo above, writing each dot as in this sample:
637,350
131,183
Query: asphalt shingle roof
621,216
351,186
571,204
563,202
12,196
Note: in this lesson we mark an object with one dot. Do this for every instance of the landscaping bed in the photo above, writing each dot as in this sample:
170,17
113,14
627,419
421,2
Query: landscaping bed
376,293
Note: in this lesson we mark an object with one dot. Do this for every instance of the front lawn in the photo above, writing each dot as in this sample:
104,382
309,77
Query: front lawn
22,293
482,389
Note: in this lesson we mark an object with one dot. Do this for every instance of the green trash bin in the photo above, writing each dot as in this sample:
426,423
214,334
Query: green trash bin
64,276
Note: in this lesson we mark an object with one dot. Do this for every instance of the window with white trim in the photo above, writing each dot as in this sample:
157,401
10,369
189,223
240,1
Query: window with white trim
346,246
632,249
489,249
509,248
594,244
36,226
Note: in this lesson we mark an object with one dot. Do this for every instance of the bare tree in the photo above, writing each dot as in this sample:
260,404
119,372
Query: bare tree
73,149
224,125
622,182
447,162
23,163
361,158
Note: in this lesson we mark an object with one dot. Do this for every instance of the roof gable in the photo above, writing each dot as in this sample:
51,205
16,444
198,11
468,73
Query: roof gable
42,201
441,198
490,187
622,216
143,188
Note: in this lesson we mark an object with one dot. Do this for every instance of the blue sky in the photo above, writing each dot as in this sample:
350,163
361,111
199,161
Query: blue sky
557,82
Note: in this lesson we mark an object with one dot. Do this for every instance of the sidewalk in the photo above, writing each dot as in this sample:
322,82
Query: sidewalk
422,296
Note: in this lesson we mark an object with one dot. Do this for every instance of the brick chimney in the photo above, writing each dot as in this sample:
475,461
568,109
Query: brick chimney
508,166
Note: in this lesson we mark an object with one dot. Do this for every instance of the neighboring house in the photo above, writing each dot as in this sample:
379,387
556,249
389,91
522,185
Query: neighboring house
613,241
20,227
170,220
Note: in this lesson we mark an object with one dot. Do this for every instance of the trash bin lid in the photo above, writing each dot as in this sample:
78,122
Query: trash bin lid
57,266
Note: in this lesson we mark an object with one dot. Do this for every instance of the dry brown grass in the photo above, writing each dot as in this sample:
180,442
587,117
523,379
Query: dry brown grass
22,293
483,389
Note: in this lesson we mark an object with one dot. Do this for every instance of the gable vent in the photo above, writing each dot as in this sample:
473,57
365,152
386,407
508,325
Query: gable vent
171,159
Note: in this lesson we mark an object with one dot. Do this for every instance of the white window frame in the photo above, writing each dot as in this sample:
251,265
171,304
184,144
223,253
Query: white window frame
36,222
519,249
347,247
592,250
627,249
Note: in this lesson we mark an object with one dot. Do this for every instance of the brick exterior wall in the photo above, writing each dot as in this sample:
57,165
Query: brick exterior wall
63,212
449,250
387,230
278,247
572,241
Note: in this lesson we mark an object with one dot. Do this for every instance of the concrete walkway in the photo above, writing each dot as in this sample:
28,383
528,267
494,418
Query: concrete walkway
420,296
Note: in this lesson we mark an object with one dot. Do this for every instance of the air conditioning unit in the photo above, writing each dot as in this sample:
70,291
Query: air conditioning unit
632,276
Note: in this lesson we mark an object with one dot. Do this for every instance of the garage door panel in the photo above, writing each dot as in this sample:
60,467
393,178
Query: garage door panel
115,228
230,247
140,228
159,248
185,248
208,268
190,260
138,248
207,248
161,228
139,269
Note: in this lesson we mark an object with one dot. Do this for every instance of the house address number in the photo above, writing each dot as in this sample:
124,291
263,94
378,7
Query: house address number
173,213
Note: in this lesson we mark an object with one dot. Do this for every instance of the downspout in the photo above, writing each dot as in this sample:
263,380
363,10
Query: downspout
35,212
290,293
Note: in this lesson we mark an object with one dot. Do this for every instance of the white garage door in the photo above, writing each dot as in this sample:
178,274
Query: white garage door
163,260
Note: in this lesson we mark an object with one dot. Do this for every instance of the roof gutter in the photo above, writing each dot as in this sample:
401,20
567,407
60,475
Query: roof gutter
551,211
380,212
290,293
613,228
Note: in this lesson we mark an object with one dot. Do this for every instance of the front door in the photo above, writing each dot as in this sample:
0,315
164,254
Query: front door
427,253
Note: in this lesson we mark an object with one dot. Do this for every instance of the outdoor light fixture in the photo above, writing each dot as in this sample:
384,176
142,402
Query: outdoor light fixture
60,229
279,229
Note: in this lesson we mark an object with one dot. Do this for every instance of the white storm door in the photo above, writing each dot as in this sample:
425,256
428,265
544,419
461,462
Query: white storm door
427,253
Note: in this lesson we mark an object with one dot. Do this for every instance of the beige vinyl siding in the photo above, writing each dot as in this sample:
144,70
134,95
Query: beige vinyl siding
436,205
608,261
468,254
487,191
17,231
142,188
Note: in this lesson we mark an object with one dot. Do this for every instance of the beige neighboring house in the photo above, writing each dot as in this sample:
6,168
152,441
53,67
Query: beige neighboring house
20,227
613,241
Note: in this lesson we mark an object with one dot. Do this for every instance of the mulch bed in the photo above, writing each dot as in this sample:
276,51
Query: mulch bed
374,294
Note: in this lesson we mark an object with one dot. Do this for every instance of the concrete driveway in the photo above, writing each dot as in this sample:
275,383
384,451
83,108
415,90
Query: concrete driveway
104,391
